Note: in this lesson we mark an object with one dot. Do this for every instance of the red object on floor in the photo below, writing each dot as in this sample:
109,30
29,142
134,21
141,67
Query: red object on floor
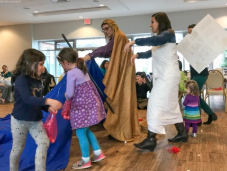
220,88
174,149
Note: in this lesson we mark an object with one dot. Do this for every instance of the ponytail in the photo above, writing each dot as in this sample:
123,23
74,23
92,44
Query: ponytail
71,55
81,65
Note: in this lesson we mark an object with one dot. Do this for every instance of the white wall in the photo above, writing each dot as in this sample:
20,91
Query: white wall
129,25
13,40
77,29
181,20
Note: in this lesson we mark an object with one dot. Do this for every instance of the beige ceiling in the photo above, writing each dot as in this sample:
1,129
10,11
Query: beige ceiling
22,11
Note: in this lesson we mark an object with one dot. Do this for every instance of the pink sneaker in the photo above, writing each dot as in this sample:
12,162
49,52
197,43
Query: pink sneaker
98,158
81,165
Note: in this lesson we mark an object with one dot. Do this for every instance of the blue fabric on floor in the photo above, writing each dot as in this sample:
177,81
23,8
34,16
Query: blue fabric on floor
58,153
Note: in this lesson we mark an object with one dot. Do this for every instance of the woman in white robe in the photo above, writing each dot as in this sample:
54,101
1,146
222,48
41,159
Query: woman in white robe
163,106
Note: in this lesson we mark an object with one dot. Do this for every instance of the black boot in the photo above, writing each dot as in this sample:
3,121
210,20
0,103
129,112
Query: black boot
182,135
211,118
149,143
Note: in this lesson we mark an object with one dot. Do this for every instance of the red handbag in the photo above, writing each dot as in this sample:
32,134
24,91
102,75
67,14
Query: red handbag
65,111
51,128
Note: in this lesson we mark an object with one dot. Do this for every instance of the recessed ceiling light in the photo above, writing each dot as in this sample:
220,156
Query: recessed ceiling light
190,1
101,5
60,1
36,11
80,16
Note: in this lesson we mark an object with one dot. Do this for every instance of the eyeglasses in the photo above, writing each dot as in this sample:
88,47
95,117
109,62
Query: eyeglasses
59,58
105,29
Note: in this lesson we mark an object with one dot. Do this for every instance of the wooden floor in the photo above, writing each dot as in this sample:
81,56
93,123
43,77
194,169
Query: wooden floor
207,152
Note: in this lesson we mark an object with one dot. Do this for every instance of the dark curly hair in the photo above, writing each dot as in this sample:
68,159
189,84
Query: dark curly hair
28,63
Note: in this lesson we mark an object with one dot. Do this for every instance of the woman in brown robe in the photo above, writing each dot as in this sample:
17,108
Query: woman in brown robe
119,81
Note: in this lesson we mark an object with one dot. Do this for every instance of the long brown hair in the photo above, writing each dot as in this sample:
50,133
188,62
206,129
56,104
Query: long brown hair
193,86
71,55
163,22
103,64
28,63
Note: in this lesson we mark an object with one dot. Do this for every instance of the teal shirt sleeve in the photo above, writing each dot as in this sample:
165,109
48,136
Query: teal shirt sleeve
103,71
7,75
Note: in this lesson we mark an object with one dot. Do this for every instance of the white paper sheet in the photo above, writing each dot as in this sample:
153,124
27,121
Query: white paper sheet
207,40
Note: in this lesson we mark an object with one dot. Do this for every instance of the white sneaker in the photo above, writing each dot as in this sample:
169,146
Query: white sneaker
193,135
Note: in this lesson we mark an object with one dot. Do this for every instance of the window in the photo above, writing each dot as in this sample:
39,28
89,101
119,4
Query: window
82,53
46,45
85,46
51,63
142,65
179,36
61,45
90,43
221,61
185,64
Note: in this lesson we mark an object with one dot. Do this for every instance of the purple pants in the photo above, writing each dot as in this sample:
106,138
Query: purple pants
194,126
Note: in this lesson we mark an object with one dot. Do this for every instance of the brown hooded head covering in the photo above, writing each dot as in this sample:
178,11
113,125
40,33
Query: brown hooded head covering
112,24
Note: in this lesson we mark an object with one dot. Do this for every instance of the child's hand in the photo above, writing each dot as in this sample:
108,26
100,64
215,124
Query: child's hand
54,104
52,110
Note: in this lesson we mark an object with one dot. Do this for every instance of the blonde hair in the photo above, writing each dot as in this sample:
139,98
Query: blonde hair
193,86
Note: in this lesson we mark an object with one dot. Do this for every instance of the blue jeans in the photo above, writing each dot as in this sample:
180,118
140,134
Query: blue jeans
86,137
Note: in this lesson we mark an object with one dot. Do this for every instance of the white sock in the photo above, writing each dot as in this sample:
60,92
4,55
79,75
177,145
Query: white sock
86,159
97,152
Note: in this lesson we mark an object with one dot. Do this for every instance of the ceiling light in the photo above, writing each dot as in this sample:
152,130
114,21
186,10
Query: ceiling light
70,11
80,16
36,11
101,5
59,1
191,0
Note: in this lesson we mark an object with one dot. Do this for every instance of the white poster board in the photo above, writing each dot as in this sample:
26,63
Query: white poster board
207,40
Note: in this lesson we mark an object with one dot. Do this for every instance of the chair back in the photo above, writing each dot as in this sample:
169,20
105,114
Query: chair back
219,69
215,79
